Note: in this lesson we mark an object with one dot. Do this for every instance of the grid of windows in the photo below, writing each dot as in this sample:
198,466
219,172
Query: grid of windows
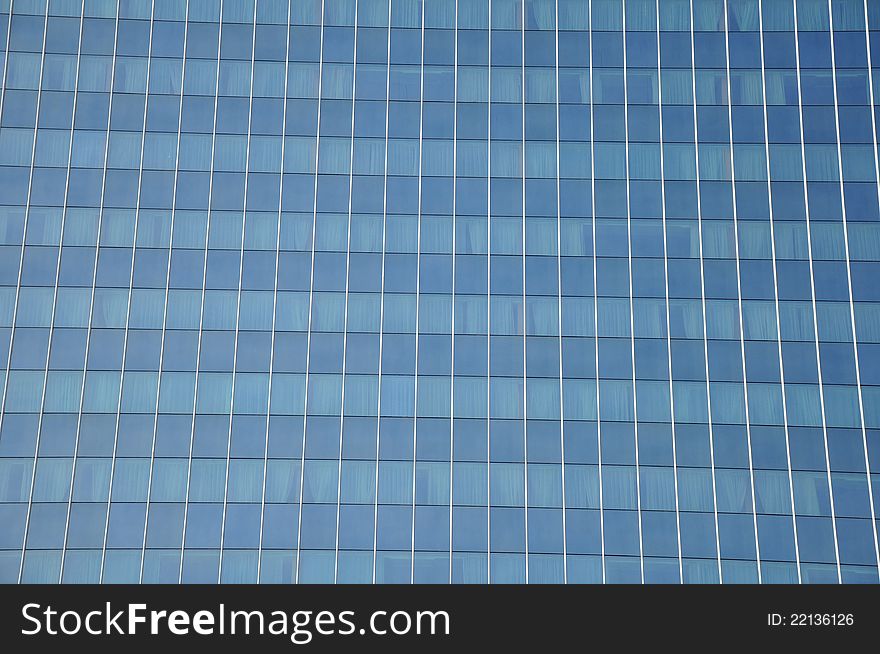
439,290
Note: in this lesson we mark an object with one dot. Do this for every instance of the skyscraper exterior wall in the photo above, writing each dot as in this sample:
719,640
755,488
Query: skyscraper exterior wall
439,291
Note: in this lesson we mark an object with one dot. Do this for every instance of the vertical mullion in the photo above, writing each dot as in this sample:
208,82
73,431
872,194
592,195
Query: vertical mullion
238,299
347,278
631,298
559,304
596,299
6,59
525,300
5,388
311,295
852,313
452,295
33,152
204,292
382,301
452,298
412,561
489,300
669,335
785,422
738,277
813,301
167,291
275,290
128,310
874,525
703,303
55,293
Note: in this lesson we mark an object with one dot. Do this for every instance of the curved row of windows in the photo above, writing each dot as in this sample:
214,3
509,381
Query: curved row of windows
351,566
438,396
476,440
506,527
186,311
150,232
638,15
277,481
442,83
535,159
436,120
252,352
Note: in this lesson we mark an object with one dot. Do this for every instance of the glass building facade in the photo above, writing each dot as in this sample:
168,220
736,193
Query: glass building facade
439,291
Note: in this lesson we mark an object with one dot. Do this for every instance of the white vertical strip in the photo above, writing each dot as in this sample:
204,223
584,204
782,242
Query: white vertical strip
738,278
382,302
238,299
596,299
275,291
202,308
95,281
55,291
311,294
877,172
18,288
852,312
412,559
6,61
813,289
525,299
128,310
55,294
632,339
559,304
167,291
489,304
452,328
669,335
454,254
347,277
33,152
127,315
797,555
